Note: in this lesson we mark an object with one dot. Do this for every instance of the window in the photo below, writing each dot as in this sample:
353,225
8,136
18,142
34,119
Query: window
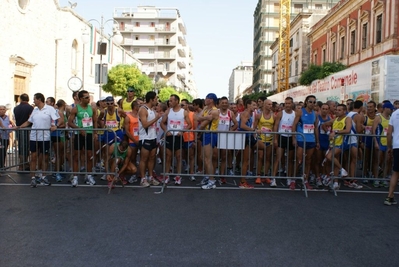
353,42
333,52
276,7
364,36
137,24
136,50
324,55
91,65
291,42
74,55
318,6
378,33
136,37
152,24
342,47
298,8
152,37
315,59
297,39
296,66
151,65
151,50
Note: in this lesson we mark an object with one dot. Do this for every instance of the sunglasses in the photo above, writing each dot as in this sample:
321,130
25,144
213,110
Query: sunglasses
182,105
311,102
110,103
130,91
86,97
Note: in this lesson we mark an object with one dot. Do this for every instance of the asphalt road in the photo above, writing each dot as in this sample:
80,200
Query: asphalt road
84,226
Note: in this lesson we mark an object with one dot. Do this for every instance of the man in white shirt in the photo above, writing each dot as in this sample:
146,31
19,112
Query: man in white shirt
43,117
393,149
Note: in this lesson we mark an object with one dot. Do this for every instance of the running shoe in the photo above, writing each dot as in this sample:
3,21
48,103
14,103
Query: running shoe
231,172
90,180
144,182
192,178
390,201
344,173
223,181
258,181
58,178
273,183
152,181
319,183
44,181
385,184
177,180
292,185
209,185
75,181
355,185
336,186
33,183
132,179
376,184
204,180
308,186
245,185
111,185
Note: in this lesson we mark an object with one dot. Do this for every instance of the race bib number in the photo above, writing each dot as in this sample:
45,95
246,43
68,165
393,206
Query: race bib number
175,125
266,131
368,129
111,124
286,128
87,122
135,131
308,128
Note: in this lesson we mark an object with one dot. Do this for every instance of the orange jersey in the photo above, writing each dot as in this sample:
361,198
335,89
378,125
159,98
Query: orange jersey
133,127
189,136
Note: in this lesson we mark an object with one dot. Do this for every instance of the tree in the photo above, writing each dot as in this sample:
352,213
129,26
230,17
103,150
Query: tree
165,93
317,72
122,76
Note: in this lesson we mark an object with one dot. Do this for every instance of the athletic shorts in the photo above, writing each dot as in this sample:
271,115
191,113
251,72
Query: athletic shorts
133,145
396,160
57,139
210,138
285,142
187,145
109,137
83,142
324,146
42,147
148,144
309,145
383,148
250,141
174,142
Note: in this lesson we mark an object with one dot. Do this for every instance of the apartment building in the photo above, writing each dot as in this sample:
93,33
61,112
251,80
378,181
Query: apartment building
299,52
157,37
266,29
355,31
240,79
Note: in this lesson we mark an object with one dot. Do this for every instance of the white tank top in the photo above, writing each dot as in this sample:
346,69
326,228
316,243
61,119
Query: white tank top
224,121
176,121
151,132
286,122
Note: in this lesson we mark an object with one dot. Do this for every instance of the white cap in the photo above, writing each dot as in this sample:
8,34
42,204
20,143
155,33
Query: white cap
102,98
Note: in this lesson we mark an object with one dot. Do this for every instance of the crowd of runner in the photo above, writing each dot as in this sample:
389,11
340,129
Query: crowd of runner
276,135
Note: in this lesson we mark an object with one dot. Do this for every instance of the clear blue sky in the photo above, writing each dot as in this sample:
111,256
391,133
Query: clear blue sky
220,34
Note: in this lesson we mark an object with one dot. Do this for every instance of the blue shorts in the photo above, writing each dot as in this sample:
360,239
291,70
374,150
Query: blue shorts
109,137
133,145
210,138
309,145
324,146
382,148
187,145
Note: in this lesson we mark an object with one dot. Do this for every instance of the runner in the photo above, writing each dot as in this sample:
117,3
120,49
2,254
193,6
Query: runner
132,132
189,138
321,169
86,118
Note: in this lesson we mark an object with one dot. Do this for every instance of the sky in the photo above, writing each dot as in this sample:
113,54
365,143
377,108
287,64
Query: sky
220,34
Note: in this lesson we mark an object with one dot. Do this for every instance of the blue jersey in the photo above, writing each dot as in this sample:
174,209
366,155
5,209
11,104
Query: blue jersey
306,126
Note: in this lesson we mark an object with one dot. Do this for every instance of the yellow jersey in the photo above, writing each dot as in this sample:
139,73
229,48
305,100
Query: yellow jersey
266,126
383,128
213,125
339,125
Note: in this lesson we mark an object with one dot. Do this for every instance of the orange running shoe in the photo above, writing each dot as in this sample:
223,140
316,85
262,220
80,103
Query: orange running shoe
258,181
245,185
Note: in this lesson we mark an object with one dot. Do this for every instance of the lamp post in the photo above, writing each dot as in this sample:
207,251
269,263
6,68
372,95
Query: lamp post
148,72
117,38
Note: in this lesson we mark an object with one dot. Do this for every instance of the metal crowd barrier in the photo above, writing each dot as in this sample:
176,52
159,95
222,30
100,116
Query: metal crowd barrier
365,161
56,157
229,161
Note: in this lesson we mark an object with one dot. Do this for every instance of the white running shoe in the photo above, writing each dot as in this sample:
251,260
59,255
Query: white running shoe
273,183
90,180
210,185
75,181
344,173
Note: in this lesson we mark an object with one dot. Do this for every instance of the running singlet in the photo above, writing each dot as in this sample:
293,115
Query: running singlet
149,133
112,122
224,121
175,121
368,123
213,125
382,130
119,154
133,127
306,126
285,126
339,125
323,135
189,136
266,126
84,118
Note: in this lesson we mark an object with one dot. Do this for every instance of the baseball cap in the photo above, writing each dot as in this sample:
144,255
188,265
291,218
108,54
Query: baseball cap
212,96
388,105
109,99
102,98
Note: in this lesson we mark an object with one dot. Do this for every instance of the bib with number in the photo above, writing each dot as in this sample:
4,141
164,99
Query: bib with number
308,128
368,129
175,125
87,122
286,128
385,133
266,131
111,124
135,131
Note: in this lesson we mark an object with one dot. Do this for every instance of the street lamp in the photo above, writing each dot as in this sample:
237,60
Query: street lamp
117,38
148,72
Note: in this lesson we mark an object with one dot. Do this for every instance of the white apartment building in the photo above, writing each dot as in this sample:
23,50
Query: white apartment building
240,79
42,48
299,57
156,36
266,30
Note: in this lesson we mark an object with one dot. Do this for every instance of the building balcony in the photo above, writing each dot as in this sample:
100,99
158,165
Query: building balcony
182,27
165,55
166,29
181,76
127,41
181,52
165,43
181,64
182,40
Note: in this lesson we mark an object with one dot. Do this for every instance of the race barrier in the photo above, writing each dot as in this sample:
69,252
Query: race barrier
226,156
59,155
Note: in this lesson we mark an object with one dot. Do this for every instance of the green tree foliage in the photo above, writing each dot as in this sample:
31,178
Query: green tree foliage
165,93
121,76
316,72
255,96
185,95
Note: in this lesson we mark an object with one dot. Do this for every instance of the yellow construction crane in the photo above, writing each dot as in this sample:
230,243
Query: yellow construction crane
284,45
